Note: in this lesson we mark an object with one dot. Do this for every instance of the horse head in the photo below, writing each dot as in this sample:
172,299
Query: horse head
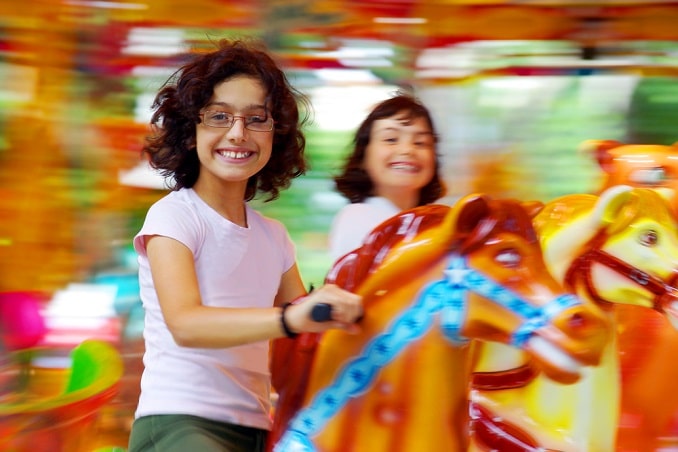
619,247
451,274
638,165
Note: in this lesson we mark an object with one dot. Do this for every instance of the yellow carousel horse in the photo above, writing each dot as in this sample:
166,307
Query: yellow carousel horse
647,341
431,278
619,247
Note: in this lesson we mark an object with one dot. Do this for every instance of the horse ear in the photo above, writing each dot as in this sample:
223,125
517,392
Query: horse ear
468,212
610,206
600,151
532,207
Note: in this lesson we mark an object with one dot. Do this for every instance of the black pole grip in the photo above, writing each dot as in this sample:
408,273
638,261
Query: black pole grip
322,312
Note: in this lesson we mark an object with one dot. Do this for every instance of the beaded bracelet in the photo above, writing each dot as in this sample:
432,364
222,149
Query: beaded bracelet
288,332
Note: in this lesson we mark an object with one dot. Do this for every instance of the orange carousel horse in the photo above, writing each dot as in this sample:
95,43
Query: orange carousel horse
638,165
432,279
619,247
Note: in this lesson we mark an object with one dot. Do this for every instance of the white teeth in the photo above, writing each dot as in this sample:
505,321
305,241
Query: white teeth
235,155
404,166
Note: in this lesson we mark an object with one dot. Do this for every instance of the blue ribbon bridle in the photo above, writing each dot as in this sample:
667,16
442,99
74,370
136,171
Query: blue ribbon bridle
447,297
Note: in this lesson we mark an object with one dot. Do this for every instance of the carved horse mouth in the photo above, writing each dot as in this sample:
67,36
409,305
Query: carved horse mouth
665,293
548,352
550,332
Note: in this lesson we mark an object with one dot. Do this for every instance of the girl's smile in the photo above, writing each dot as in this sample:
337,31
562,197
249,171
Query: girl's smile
234,156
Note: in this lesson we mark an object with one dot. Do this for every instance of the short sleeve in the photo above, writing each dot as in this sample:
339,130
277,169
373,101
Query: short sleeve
171,219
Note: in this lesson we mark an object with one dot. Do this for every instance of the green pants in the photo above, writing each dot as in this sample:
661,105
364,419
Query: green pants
182,433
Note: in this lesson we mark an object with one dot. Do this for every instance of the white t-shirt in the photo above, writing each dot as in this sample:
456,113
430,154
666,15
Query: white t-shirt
236,267
352,224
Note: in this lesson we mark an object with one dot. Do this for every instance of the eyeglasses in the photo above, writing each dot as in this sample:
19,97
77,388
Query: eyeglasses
221,119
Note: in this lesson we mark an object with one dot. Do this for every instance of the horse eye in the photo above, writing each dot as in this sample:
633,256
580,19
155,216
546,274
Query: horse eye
649,238
648,176
508,258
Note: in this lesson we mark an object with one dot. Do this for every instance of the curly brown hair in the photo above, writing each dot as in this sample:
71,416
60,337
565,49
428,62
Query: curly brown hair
171,149
354,182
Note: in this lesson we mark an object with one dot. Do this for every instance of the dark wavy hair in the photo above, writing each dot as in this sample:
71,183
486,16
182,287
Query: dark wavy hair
171,148
354,182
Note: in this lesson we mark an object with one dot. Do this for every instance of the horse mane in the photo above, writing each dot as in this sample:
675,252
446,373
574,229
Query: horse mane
513,216
640,202
353,268
494,216
558,213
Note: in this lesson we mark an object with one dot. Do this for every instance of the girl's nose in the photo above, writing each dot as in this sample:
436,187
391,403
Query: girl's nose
237,130
405,147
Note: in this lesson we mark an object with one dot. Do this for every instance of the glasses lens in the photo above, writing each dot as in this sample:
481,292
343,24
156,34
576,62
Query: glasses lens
218,119
259,124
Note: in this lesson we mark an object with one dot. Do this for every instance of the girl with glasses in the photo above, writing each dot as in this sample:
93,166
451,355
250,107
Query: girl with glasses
217,277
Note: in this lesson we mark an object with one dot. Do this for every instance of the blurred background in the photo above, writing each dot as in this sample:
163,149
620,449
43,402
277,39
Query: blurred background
515,87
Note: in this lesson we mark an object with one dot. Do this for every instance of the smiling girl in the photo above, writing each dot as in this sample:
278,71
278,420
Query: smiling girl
394,166
218,278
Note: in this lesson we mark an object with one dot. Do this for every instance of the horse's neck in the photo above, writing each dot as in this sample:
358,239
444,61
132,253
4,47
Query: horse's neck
564,245
428,376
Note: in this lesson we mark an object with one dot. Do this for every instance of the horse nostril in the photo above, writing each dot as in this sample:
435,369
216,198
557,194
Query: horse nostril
576,320
585,325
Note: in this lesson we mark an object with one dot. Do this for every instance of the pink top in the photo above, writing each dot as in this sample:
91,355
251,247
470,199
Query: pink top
236,267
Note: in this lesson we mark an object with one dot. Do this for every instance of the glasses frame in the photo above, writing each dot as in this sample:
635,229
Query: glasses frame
236,117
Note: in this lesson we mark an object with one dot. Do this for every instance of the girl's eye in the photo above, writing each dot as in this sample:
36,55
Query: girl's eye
218,116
